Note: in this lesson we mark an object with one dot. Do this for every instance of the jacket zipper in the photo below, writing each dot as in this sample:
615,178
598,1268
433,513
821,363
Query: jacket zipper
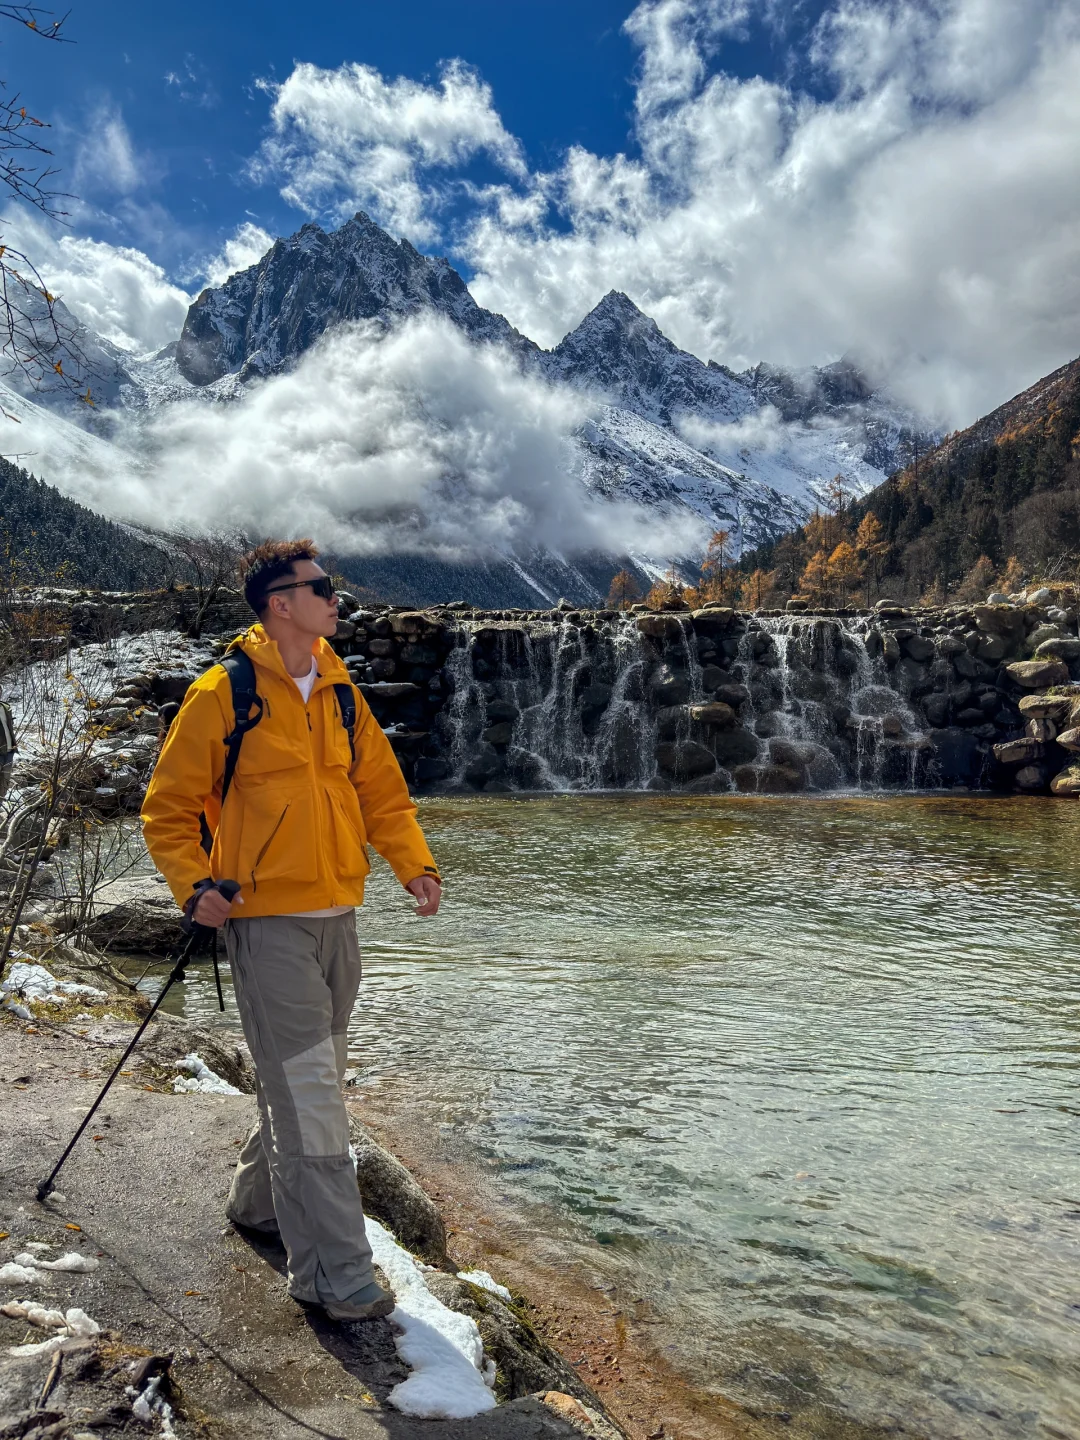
266,846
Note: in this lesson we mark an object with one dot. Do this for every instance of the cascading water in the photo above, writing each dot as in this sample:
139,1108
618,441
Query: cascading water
818,697
707,702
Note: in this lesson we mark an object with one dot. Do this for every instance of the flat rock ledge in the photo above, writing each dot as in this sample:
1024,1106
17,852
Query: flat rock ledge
192,1315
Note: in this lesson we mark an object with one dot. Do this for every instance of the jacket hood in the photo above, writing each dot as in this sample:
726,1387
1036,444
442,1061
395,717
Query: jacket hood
264,653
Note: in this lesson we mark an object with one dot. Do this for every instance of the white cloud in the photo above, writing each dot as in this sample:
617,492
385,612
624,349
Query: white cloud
926,218
107,161
416,440
244,248
347,138
115,290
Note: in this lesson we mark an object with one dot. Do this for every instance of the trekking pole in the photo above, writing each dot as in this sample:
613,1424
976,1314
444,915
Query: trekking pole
228,889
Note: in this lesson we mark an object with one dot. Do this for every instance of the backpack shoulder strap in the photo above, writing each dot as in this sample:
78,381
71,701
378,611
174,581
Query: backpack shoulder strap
346,699
241,672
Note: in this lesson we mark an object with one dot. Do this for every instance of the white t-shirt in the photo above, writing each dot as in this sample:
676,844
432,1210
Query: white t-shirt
305,684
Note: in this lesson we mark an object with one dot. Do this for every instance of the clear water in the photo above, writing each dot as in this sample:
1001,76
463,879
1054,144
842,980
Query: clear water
803,1070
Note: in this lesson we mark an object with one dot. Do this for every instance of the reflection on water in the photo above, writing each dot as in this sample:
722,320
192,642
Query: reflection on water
803,1071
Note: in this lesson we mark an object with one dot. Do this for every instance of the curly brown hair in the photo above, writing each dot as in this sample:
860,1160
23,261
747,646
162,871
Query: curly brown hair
268,563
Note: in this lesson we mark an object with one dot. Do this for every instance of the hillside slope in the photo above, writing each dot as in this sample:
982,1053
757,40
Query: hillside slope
991,505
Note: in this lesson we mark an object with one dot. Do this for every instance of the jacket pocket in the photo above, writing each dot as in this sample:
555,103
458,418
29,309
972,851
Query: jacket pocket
349,859
277,840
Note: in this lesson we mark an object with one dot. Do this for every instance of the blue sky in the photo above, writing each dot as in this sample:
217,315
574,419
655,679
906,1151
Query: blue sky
790,180
184,81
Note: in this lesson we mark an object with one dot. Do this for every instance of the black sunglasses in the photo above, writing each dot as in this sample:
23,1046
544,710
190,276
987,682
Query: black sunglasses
322,586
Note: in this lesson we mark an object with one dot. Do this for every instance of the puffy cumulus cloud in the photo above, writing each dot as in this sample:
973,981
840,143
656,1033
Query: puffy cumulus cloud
115,290
244,248
924,217
348,138
412,441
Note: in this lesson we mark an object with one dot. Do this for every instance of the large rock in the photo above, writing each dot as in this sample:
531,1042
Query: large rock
1069,739
659,627
170,685
1047,707
685,761
1067,781
135,915
918,648
714,620
170,1038
1004,620
715,714
731,694
1019,752
392,1195
670,687
735,747
1058,647
1030,777
500,734
1038,674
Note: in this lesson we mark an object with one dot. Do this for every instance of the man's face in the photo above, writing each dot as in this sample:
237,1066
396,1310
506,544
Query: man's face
301,607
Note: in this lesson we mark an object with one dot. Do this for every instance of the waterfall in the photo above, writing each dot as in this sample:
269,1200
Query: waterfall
706,702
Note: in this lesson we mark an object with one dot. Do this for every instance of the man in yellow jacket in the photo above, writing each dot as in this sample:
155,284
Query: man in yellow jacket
293,831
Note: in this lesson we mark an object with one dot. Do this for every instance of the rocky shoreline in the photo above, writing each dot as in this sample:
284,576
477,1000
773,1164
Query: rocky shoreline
171,1291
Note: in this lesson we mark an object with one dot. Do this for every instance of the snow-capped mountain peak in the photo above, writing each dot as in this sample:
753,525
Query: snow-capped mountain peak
265,317
622,352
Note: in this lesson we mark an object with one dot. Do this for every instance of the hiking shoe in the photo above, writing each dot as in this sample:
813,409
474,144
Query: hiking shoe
374,1302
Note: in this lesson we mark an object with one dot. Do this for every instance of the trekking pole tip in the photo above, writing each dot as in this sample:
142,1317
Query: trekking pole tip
44,1190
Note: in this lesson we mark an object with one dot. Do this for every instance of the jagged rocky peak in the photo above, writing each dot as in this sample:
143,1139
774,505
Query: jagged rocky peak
802,394
265,317
621,351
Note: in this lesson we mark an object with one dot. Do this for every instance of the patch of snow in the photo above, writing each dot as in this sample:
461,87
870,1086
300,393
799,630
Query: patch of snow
443,1350
34,1314
72,1262
14,1274
34,982
148,1404
205,1081
74,1324
485,1282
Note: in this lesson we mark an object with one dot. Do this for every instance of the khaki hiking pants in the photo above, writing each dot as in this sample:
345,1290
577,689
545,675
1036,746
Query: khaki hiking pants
296,981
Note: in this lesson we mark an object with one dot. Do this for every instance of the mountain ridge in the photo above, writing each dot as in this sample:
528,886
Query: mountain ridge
683,439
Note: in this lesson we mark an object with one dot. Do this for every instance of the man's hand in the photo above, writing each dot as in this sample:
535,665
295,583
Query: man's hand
428,891
212,909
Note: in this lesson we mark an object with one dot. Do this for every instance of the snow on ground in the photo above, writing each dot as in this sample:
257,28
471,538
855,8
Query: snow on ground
43,692
34,982
73,1324
442,1349
148,1404
485,1282
205,1081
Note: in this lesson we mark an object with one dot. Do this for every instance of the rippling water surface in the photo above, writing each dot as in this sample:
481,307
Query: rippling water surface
804,1071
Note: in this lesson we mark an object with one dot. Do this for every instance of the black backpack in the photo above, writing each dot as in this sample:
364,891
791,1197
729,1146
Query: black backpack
241,672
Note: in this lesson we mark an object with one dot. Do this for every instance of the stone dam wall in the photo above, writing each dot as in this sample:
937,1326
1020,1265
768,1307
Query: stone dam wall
708,701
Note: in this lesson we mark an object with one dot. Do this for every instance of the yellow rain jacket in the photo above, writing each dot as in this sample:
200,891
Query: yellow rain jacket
299,813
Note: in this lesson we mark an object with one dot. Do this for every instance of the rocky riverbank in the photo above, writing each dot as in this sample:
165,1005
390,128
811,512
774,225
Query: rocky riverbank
708,701
186,1328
